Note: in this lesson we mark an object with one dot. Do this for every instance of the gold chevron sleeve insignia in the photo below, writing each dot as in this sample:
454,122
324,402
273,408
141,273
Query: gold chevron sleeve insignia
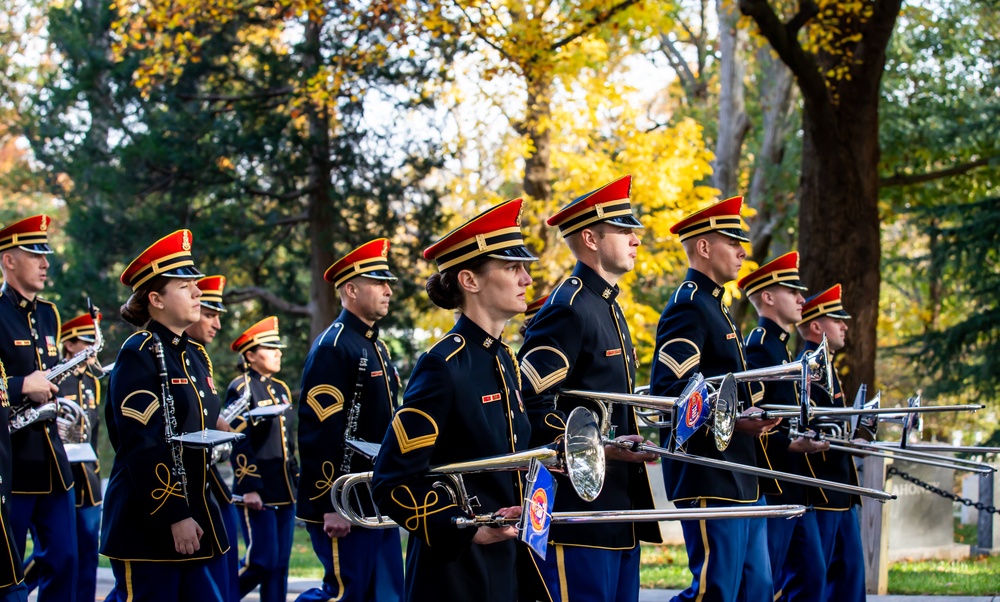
682,347
317,394
756,396
140,406
544,367
423,428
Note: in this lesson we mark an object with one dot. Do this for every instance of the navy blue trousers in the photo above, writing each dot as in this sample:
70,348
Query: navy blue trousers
52,520
802,576
227,572
728,558
840,535
139,581
590,574
88,535
14,593
269,546
366,565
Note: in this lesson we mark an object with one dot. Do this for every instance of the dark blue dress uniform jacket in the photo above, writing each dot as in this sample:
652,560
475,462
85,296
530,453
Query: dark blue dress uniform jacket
263,461
143,497
831,465
329,384
85,389
696,334
10,561
579,340
462,403
28,343
767,345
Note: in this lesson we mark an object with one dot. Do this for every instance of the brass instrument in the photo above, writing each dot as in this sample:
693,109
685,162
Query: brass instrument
581,458
72,422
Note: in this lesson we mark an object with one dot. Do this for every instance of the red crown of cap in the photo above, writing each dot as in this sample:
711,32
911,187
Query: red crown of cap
831,294
212,284
369,257
263,332
785,267
170,252
618,190
494,230
80,325
534,306
28,231
727,208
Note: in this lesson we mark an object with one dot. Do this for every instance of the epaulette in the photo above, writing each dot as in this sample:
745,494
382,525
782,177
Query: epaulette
204,352
756,337
685,292
332,334
566,292
138,340
448,346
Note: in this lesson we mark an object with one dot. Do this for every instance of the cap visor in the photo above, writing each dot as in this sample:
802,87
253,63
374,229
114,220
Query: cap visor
626,221
40,249
183,272
519,253
739,235
213,305
794,284
380,275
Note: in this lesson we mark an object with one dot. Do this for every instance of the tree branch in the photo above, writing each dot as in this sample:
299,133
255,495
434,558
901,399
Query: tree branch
479,33
783,41
906,179
255,292
595,22
807,10
285,196
283,91
677,62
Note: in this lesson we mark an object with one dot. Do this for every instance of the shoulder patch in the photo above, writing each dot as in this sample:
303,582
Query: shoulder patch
325,400
448,347
140,406
679,355
685,292
414,429
566,292
544,367
332,334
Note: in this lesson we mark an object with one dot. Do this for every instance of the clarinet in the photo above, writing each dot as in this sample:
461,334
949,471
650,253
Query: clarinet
353,412
170,418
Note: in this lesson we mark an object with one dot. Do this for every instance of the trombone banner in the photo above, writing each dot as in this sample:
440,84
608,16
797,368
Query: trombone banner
692,411
536,516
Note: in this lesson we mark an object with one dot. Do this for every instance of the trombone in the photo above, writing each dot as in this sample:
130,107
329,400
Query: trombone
580,456
688,410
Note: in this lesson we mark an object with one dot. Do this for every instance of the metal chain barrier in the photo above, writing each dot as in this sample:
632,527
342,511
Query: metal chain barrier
946,494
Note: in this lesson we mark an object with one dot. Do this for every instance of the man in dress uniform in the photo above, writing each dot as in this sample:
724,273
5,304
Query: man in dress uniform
579,340
728,559
836,513
42,479
529,313
203,332
349,390
776,293
264,464
12,589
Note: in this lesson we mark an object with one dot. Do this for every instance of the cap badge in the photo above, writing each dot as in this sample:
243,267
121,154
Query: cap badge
385,248
517,220
185,241
45,224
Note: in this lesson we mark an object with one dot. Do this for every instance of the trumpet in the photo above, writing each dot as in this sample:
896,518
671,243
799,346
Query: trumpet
580,457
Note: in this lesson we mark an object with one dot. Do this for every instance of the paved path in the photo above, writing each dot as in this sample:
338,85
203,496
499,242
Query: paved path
296,585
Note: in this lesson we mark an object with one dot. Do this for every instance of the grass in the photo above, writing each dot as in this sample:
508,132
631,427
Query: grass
665,567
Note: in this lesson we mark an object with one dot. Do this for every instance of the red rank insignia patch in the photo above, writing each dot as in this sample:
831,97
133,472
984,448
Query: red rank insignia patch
21,343
730,336
178,381
490,398
377,373
612,352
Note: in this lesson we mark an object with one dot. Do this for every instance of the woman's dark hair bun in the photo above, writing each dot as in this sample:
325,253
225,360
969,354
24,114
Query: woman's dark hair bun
443,290
135,311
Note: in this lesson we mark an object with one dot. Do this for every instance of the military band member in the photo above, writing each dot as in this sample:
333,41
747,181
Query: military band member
203,332
162,528
776,293
462,403
579,339
83,387
12,588
264,464
42,499
728,558
836,513
359,564
529,313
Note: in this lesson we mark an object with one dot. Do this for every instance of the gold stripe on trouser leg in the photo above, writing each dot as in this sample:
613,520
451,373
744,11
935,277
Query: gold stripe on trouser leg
336,569
702,581
130,595
561,565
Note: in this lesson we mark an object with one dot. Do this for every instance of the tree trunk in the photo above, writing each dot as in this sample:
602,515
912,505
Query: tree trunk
771,205
537,175
323,299
733,122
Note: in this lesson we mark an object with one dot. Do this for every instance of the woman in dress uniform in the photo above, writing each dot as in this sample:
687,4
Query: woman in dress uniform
462,403
162,529
263,463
